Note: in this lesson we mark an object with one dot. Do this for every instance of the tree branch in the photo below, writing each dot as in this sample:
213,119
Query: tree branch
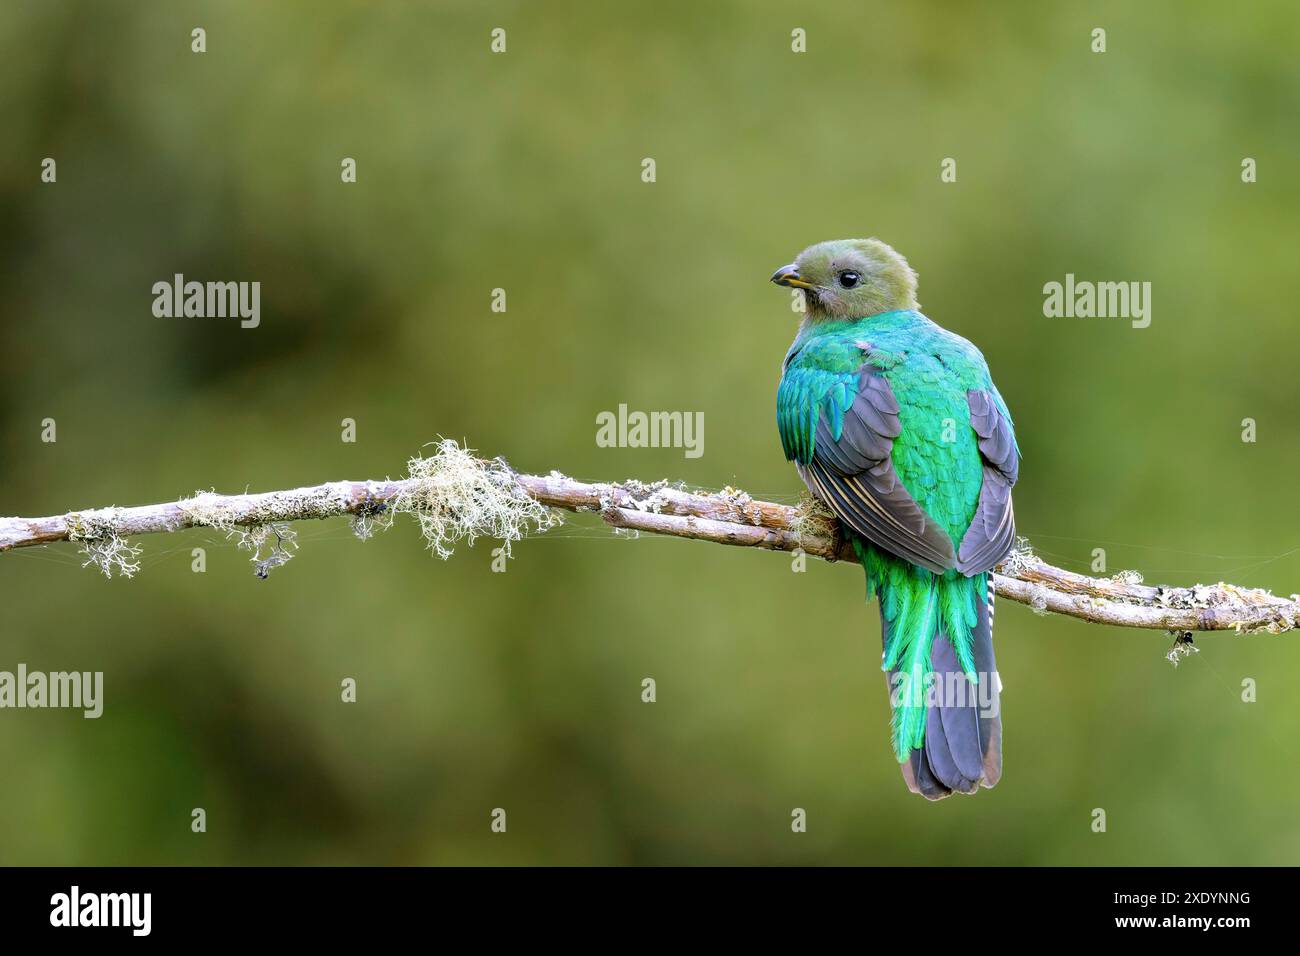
456,496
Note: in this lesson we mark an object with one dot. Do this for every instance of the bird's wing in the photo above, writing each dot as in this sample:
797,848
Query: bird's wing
839,428
992,531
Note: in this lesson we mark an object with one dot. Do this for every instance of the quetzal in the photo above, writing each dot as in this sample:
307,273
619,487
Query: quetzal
895,424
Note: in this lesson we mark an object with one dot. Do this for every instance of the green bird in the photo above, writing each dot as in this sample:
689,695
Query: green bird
895,424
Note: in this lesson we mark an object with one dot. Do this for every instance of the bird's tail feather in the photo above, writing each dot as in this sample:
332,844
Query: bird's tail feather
944,690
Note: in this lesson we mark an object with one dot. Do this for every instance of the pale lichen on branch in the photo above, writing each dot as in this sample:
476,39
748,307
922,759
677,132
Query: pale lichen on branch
98,541
454,497
457,497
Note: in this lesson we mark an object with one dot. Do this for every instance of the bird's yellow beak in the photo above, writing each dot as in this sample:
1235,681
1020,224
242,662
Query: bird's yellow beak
789,275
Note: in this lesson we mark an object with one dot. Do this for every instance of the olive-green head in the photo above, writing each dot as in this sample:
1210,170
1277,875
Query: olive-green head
850,279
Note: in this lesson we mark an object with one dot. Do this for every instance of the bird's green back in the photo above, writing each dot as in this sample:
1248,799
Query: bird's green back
929,370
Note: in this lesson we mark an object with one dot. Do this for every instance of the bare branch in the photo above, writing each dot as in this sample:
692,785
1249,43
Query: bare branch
455,497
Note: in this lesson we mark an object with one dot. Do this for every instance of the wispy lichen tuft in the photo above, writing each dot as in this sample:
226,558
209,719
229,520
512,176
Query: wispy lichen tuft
207,509
456,497
814,519
272,545
1020,558
1182,647
97,533
367,519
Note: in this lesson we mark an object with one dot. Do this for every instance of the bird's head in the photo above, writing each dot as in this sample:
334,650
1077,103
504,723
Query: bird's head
850,279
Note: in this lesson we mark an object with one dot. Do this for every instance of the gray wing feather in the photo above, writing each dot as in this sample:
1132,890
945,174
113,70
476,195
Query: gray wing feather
855,477
992,532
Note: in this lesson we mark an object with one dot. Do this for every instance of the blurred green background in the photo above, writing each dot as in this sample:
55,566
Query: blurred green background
522,690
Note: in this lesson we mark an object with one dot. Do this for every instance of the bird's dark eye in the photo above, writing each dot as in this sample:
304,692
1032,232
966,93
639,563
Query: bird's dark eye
849,279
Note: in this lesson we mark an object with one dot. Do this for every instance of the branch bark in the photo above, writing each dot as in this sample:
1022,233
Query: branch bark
727,517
